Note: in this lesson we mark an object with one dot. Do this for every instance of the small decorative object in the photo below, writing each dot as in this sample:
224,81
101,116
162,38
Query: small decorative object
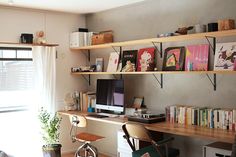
226,24
138,102
200,28
102,37
26,38
212,27
129,61
40,38
174,59
165,35
113,61
99,64
50,125
225,56
197,57
146,59
184,30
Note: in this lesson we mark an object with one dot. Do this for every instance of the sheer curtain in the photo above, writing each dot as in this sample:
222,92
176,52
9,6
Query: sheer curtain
44,59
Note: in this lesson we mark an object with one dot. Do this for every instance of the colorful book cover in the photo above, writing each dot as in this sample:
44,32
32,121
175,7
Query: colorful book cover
174,59
99,64
113,62
146,59
197,57
225,56
129,61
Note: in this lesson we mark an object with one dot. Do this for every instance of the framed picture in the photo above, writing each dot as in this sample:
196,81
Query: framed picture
138,102
146,59
99,64
197,57
174,59
225,56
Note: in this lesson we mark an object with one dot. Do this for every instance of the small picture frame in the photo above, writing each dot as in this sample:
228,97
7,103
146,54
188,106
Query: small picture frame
99,64
174,59
138,102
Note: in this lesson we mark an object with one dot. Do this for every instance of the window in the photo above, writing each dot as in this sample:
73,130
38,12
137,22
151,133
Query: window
16,78
18,122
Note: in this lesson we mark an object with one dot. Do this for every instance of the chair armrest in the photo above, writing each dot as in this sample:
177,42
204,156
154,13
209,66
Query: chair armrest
164,141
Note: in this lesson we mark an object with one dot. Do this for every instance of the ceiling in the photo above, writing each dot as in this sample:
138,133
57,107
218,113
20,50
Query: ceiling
72,6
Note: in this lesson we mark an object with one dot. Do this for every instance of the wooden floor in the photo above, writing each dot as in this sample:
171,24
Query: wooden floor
72,155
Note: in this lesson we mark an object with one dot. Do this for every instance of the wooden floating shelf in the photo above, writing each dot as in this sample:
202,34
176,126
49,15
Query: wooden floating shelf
154,72
22,44
160,40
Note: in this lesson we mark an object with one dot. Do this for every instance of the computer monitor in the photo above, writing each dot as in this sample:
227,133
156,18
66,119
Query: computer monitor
110,95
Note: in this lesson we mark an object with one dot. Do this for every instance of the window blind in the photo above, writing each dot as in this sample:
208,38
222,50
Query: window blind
16,78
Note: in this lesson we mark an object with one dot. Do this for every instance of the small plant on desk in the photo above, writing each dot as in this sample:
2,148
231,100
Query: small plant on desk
50,125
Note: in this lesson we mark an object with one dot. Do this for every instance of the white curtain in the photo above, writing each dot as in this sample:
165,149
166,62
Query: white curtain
44,59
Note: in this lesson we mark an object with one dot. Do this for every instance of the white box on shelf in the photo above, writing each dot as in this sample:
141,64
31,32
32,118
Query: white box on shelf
76,39
217,149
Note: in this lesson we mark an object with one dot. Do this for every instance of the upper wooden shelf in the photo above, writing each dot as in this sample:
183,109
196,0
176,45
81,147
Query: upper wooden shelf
154,72
22,44
160,40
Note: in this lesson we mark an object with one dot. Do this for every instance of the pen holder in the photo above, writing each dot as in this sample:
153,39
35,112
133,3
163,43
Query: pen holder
91,109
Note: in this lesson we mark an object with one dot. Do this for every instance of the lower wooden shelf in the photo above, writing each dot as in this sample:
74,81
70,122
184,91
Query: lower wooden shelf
166,127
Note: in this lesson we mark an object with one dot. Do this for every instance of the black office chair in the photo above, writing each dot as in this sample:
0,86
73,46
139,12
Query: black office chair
156,149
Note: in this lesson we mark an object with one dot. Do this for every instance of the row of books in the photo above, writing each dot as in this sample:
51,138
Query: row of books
80,39
205,117
86,100
189,58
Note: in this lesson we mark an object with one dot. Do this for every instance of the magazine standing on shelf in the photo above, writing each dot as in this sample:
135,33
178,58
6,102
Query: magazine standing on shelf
146,59
129,61
113,62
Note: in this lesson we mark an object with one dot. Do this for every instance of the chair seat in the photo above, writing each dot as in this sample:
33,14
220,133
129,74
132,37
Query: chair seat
88,137
172,152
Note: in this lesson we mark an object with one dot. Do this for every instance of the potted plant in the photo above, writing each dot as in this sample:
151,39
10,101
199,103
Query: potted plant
50,125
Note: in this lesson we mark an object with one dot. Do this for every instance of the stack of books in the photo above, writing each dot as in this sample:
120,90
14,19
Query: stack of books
202,116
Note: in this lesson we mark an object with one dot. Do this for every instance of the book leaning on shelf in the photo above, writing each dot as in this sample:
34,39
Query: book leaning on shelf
87,100
202,116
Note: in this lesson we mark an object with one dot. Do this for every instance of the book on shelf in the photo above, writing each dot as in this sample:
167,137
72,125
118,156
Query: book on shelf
87,99
129,60
225,56
146,59
113,62
99,64
202,116
174,59
196,58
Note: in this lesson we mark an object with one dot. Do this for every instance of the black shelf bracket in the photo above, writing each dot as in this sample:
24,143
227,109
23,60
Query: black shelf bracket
88,55
160,82
212,80
213,44
87,79
114,48
158,50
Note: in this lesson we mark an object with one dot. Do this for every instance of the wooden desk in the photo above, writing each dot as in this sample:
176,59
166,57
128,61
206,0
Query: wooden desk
176,129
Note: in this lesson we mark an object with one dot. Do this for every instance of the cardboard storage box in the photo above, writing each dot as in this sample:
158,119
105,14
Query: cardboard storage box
226,24
217,149
102,38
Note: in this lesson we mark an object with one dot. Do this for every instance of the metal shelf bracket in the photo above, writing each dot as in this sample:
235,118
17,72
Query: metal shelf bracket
160,82
114,48
87,79
212,80
159,51
213,44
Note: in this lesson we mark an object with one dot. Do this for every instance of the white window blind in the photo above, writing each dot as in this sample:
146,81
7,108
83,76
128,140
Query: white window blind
16,78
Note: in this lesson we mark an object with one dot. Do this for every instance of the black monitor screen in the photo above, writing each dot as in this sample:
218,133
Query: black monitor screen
110,93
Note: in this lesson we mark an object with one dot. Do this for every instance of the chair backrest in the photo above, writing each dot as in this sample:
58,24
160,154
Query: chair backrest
136,131
78,121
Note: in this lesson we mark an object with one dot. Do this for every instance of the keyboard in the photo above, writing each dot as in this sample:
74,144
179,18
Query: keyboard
97,116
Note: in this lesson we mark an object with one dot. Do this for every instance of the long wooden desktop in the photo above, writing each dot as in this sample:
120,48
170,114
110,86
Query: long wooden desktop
165,127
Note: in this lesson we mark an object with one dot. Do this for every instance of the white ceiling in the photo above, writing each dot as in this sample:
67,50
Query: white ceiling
73,6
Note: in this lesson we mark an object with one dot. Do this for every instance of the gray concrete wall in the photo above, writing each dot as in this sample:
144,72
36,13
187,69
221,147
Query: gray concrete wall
146,20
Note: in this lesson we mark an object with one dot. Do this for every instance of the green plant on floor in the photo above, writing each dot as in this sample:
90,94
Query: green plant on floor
50,125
